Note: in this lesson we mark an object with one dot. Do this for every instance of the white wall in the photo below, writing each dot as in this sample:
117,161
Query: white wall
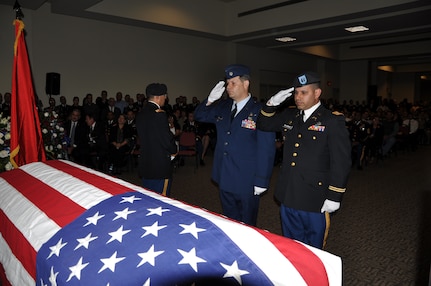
353,80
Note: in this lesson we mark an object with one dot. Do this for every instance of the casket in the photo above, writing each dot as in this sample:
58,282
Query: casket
64,224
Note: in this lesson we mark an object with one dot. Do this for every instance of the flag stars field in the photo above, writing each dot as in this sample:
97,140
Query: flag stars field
76,270
55,250
94,219
117,235
153,229
190,258
109,263
85,241
148,236
149,256
157,211
192,229
123,214
234,271
130,199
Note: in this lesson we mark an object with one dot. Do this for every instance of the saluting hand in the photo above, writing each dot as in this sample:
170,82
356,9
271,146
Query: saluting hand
280,96
216,92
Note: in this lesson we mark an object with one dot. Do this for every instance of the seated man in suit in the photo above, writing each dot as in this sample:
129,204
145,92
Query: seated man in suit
96,149
75,130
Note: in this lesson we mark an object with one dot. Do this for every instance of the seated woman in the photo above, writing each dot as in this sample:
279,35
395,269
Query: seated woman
119,139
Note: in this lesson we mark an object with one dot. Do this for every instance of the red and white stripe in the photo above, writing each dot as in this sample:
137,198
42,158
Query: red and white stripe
38,199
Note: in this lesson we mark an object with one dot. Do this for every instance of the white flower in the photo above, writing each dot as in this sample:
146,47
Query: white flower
8,166
1,142
57,127
59,146
5,120
51,148
61,129
54,135
7,136
44,131
46,148
46,114
1,135
4,154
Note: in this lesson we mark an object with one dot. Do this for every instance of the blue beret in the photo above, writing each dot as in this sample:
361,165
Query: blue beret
305,79
236,70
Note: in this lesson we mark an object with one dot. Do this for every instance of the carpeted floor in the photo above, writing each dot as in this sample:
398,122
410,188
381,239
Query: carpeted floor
382,231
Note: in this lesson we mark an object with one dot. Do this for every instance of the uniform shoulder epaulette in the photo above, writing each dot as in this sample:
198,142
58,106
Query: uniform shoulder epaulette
337,113
160,110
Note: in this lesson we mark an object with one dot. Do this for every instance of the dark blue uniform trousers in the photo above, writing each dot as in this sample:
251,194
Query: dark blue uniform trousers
308,227
161,186
240,207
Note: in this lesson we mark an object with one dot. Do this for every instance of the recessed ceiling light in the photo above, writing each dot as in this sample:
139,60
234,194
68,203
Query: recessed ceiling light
286,39
356,29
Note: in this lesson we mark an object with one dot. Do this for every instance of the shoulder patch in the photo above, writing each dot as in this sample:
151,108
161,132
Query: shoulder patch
337,113
160,110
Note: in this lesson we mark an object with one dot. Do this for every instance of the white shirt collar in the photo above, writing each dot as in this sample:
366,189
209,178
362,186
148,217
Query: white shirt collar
308,112
240,104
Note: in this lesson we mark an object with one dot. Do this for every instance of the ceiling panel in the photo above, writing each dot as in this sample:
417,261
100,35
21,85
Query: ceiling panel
393,27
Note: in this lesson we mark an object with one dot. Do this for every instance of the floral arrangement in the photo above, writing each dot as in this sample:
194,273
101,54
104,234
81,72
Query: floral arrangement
53,135
5,164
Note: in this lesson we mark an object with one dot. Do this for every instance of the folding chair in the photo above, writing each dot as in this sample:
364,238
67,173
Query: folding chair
187,147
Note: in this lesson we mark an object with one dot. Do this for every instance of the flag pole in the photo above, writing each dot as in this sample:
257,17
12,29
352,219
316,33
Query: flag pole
18,12
26,142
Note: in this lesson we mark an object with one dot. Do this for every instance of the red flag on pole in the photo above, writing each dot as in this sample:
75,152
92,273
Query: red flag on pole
26,141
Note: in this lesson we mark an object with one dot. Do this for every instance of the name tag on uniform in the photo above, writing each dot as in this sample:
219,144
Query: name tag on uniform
249,124
319,128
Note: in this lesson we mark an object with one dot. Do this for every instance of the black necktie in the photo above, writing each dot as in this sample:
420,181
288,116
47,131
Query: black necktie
72,133
301,117
233,112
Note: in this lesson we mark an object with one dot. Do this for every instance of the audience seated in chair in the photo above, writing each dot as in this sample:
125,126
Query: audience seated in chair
96,149
120,137
202,136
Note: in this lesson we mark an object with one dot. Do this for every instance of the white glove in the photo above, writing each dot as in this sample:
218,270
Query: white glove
330,206
216,92
259,190
280,96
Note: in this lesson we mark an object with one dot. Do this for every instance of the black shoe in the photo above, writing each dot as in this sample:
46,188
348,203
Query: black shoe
202,163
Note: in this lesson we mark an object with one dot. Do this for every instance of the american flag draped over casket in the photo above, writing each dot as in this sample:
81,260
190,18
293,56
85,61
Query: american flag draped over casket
63,224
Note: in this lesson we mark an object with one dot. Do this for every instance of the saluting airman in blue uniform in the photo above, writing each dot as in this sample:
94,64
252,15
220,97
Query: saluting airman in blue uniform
244,155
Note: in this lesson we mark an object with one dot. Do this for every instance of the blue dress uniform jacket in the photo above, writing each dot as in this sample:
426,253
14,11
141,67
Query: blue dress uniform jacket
157,143
316,156
244,156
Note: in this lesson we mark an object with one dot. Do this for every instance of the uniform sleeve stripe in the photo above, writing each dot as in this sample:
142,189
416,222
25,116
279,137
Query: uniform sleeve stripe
267,114
338,190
